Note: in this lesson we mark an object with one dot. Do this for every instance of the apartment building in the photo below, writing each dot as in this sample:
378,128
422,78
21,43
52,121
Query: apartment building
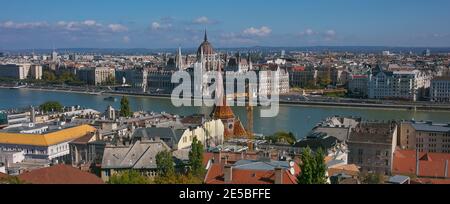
399,85
372,145
424,136
440,89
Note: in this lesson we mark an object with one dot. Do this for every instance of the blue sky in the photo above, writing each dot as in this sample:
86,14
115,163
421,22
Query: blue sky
230,23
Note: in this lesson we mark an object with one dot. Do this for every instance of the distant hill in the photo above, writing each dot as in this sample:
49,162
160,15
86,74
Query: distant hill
264,49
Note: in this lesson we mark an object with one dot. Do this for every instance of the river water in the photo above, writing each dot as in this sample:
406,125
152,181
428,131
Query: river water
296,119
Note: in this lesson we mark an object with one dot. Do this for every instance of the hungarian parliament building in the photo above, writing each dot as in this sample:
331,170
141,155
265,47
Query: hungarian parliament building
159,80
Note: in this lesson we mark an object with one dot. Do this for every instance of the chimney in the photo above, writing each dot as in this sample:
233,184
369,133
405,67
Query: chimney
278,175
228,173
226,160
217,157
417,163
446,169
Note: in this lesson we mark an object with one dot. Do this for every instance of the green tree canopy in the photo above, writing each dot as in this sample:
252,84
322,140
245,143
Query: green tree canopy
129,177
372,178
283,137
167,174
196,158
48,76
313,168
177,179
11,180
164,161
125,110
51,106
67,77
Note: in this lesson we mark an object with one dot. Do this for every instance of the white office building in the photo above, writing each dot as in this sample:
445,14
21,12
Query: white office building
440,89
398,85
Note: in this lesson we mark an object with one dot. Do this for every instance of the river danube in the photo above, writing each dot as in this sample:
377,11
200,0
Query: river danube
296,119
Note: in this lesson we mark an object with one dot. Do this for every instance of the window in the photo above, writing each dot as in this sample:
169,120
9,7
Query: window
360,160
360,152
107,173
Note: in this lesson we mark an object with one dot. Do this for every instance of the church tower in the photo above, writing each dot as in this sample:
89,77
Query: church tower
221,111
179,60
207,55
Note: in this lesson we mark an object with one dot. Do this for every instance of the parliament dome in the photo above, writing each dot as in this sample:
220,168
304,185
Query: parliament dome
206,47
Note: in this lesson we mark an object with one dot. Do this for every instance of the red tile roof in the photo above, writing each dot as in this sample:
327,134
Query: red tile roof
298,68
215,175
207,156
59,174
430,181
431,165
2,175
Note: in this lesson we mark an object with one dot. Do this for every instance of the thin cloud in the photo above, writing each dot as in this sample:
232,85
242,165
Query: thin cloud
126,39
260,32
203,20
160,26
117,28
25,25
79,25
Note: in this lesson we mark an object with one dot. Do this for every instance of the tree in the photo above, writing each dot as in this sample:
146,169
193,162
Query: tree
67,77
320,169
306,167
51,106
196,158
177,179
164,161
48,76
372,178
167,174
11,180
283,137
125,110
129,177
324,81
313,168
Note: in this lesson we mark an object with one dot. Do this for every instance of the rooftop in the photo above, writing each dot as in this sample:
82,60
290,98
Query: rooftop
398,179
141,155
215,175
431,165
170,136
430,127
48,139
444,78
59,174
368,132
260,165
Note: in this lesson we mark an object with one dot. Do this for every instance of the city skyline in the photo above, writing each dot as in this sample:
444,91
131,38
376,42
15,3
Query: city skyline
102,24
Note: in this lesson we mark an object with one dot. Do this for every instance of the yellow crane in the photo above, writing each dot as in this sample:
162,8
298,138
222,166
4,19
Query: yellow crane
249,108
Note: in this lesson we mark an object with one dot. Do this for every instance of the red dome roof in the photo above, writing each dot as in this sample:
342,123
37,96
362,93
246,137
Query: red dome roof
206,47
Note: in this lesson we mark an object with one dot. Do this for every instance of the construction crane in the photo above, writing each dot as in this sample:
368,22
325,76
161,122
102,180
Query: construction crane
249,108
